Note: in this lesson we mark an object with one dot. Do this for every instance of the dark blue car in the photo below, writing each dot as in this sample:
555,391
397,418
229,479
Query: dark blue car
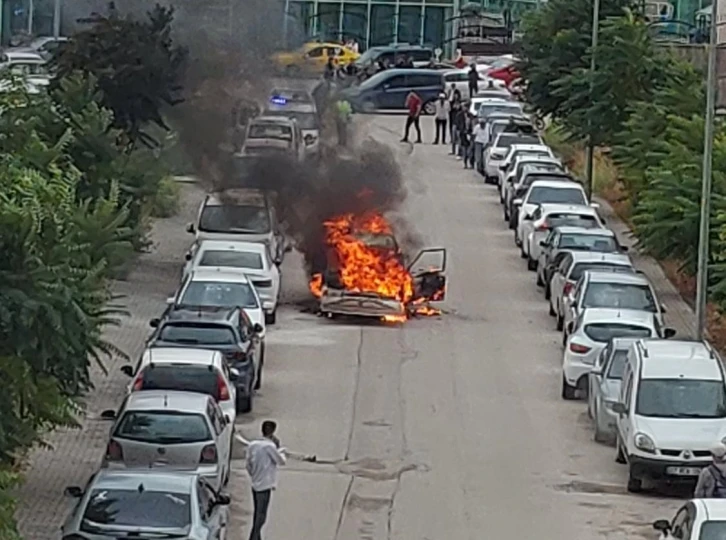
388,90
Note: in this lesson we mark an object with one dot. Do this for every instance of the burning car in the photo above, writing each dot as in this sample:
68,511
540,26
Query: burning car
366,274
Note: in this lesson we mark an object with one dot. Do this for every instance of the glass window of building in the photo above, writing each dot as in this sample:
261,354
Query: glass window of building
409,24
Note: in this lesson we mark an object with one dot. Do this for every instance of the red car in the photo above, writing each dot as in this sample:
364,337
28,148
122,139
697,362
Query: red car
508,74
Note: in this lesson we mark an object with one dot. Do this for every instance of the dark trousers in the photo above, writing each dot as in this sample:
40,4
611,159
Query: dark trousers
342,133
473,89
261,500
440,129
412,120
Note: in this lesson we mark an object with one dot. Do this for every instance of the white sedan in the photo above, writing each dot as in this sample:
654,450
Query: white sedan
251,258
698,519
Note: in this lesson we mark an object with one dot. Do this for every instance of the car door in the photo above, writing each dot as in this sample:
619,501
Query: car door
528,224
428,272
558,282
624,423
224,436
392,92
682,525
316,58
571,301
596,375
213,515
547,247
274,272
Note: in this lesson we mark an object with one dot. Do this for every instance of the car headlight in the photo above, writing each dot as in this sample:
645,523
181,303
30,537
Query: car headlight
644,442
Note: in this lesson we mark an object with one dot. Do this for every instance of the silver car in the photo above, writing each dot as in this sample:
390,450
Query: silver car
144,503
604,383
181,429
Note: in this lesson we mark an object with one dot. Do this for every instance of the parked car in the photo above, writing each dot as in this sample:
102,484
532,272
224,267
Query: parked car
388,90
589,334
45,46
495,153
182,429
116,504
483,108
698,519
547,216
228,330
604,383
312,58
568,238
187,370
546,192
305,114
250,258
460,79
524,153
271,136
568,272
598,289
671,410
392,54
527,175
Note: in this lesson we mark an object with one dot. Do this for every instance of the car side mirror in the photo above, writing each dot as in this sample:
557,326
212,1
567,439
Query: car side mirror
288,249
73,491
188,257
594,205
108,414
624,249
233,374
170,300
258,328
223,499
503,168
517,202
619,408
528,217
154,323
277,261
663,308
227,419
669,333
543,243
127,370
570,327
662,525
191,229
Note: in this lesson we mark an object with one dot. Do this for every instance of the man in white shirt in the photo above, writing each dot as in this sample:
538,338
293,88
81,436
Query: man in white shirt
263,458
480,139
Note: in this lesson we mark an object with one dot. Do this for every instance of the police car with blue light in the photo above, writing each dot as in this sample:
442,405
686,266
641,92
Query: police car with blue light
299,106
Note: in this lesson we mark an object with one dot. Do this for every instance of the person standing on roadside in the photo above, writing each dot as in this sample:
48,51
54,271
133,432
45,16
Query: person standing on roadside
329,73
442,116
473,77
454,108
413,104
342,119
458,122
480,139
712,480
264,456
465,138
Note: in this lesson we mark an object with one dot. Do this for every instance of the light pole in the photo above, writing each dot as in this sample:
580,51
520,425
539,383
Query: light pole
590,163
703,234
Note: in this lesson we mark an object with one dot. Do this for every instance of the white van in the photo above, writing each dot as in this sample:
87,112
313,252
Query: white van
671,411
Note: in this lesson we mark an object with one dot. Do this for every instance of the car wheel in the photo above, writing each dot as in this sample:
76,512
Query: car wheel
244,404
531,265
635,485
568,392
619,454
271,318
429,108
599,435
560,321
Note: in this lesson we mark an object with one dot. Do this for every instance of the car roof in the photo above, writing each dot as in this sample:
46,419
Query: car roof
217,274
24,55
594,276
676,359
181,355
171,400
567,229
399,46
563,184
423,71
231,245
280,120
614,315
153,479
714,509
593,257
580,209
489,99
528,147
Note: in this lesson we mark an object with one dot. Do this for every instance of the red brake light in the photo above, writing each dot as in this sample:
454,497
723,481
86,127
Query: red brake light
579,349
222,390
544,227
138,383
568,288
209,454
114,452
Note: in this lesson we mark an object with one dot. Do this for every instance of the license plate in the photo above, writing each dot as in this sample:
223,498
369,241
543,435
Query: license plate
683,471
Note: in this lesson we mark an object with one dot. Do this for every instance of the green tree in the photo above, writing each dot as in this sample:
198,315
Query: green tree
136,66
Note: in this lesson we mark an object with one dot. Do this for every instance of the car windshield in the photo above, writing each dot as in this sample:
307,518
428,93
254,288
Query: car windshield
270,131
367,57
573,220
588,242
617,365
137,508
579,268
375,80
219,294
235,219
163,427
304,120
713,530
681,398
619,295
182,377
604,332
232,259
197,334
552,195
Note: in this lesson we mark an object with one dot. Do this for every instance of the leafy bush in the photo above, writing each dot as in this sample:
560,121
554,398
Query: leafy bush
166,201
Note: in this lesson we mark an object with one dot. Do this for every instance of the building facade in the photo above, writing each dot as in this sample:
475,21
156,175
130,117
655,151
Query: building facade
29,17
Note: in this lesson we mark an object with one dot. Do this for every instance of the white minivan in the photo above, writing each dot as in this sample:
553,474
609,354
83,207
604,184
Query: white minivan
671,411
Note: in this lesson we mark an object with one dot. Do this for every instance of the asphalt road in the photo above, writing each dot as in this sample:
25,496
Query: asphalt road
442,428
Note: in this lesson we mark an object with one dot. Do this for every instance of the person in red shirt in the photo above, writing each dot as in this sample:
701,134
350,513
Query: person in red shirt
413,104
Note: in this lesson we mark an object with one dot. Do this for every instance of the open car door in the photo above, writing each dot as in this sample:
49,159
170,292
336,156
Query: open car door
427,270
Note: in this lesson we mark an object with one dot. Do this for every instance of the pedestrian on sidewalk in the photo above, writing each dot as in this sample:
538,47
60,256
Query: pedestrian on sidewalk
712,480
264,456
473,77
342,119
454,113
480,139
465,139
442,116
413,104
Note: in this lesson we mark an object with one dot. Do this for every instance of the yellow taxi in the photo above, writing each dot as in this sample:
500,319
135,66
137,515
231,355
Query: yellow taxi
313,56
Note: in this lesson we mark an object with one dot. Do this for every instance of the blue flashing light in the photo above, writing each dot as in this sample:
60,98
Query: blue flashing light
278,100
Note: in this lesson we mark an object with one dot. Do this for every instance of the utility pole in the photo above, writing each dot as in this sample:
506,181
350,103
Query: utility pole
703,235
590,163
